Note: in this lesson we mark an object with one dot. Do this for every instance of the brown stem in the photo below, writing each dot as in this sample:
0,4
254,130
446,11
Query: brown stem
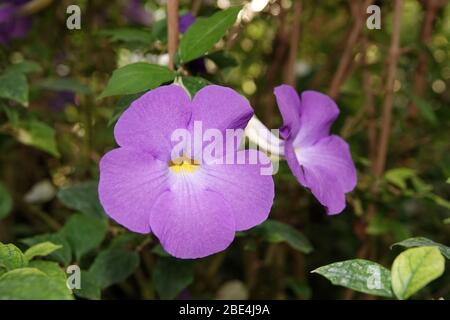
289,71
172,30
34,6
393,57
419,85
341,74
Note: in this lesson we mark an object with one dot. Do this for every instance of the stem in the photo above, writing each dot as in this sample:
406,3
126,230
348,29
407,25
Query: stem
34,6
358,10
172,30
393,57
426,34
289,74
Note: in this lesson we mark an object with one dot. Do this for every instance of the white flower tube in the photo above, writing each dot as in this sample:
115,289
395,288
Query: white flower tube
266,140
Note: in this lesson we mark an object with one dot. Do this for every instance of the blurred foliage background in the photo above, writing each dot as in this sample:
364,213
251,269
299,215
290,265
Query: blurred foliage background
54,129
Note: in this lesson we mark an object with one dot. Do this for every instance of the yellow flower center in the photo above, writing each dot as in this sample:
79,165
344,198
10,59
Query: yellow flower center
183,165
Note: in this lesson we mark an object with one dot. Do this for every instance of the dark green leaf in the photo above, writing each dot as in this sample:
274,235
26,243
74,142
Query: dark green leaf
171,276
122,104
276,232
137,77
5,202
82,197
205,32
113,266
89,287
64,84
14,86
84,233
62,255
425,109
35,133
194,84
129,35
24,67
423,242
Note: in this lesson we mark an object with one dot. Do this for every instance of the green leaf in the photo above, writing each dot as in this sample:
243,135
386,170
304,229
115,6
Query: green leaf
129,35
399,177
50,268
11,257
423,242
35,133
194,84
359,275
14,86
159,250
82,197
137,77
41,249
425,109
32,284
276,232
63,255
113,266
89,287
122,104
24,67
64,84
84,233
171,276
5,202
205,32
415,268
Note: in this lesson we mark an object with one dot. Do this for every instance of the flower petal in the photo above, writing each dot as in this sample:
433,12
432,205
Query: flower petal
249,192
327,169
130,183
192,222
150,120
317,114
220,108
289,104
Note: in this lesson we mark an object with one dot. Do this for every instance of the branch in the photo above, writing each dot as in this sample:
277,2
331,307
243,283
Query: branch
358,10
431,8
172,30
289,71
34,6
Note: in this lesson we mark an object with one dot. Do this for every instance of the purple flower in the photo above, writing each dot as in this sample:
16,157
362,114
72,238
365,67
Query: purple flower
185,21
12,25
193,208
321,162
136,13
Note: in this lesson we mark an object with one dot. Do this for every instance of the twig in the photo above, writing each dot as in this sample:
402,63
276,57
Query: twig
289,71
172,30
431,9
358,10
392,61
34,6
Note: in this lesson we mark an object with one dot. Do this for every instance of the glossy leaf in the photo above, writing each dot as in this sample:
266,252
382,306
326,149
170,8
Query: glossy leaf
137,77
205,32
359,275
